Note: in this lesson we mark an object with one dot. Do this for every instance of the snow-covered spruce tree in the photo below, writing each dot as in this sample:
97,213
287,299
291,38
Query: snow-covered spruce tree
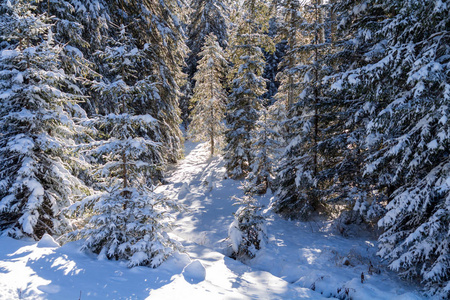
247,84
273,58
81,27
289,36
155,29
298,176
349,107
265,145
290,32
185,98
209,97
92,15
167,51
409,138
128,92
247,233
403,80
122,57
35,179
77,34
126,221
207,16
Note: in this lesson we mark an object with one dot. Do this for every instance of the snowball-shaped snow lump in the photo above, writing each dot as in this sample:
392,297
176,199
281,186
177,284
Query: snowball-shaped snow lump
194,272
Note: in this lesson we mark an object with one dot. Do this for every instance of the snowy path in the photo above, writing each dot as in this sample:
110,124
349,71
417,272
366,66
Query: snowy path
301,260
198,183
306,255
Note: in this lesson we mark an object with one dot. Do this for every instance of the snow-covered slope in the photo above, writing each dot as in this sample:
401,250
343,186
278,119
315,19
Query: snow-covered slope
301,260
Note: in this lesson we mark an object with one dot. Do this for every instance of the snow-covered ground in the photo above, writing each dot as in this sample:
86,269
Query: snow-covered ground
301,260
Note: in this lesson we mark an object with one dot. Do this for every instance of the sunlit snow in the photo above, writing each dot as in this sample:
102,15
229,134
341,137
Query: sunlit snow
300,261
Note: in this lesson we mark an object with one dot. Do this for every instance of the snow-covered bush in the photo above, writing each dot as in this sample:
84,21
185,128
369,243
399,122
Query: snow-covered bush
247,233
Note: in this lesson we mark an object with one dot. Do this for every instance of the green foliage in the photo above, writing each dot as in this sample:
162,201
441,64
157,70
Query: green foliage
209,97
37,130
247,233
247,85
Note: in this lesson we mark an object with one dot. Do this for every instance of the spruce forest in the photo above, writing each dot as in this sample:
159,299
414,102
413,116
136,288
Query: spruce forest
122,121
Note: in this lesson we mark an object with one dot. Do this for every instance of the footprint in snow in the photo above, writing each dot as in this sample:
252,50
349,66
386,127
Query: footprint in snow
194,272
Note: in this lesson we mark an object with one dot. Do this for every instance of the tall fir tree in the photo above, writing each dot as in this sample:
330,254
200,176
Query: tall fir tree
344,147
185,99
36,141
247,86
155,29
409,139
128,162
209,99
290,33
158,30
128,93
81,27
402,87
298,187
273,58
70,30
207,16
265,146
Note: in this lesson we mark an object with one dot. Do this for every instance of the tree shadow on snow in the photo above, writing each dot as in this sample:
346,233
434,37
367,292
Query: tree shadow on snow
73,273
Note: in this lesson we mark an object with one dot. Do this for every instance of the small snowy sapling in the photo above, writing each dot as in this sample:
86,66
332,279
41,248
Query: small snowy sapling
247,233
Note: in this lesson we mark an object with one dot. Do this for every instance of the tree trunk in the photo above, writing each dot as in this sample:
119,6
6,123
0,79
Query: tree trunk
124,170
212,143
318,39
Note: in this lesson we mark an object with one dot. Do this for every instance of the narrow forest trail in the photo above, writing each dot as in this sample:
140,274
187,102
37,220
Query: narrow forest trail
198,183
299,256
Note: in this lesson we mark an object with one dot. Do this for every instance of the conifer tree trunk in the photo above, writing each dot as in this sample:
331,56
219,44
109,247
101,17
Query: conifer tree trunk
212,135
212,116
317,40
292,42
124,170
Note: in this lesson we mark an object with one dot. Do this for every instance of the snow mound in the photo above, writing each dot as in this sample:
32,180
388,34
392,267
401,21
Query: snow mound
194,272
47,242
